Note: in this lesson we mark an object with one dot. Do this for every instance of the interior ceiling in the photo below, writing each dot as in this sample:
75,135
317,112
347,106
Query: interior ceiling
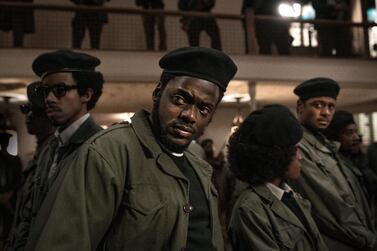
130,97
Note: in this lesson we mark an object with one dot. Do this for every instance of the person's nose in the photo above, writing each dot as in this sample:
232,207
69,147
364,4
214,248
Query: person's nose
326,111
189,114
49,96
299,154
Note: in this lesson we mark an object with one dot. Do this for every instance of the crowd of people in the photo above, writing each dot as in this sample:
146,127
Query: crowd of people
287,183
333,40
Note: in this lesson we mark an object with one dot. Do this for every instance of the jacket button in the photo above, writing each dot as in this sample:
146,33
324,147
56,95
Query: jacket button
187,208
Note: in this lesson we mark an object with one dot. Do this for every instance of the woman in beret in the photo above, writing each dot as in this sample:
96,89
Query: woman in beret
269,215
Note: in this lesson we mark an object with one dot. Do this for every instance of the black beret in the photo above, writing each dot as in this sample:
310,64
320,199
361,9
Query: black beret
35,100
317,87
199,62
63,61
273,125
340,120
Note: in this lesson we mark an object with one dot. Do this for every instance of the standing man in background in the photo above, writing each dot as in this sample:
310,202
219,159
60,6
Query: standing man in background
334,40
134,186
149,21
324,180
195,25
70,87
269,32
91,20
38,124
37,121
19,20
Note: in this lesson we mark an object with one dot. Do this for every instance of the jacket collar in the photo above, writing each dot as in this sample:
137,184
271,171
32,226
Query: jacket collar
87,129
142,127
277,206
312,139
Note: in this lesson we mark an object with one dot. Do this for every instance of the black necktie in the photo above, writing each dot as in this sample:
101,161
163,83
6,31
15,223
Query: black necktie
289,200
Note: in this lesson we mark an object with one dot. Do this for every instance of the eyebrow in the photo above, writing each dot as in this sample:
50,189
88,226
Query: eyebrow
190,97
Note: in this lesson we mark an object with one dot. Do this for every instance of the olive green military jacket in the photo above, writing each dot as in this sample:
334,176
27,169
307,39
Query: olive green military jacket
23,213
260,221
123,192
31,199
328,185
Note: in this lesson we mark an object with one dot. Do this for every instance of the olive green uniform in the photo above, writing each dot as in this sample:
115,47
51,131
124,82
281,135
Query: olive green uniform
123,192
260,221
341,217
37,186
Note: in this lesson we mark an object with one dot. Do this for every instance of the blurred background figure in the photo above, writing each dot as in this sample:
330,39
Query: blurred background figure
20,21
197,149
216,161
195,25
343,129
91,20
333,40
372,157
269,32
37,122
10,181
150,21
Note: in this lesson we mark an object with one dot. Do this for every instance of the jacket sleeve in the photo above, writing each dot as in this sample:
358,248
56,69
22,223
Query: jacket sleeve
333,209
250,231
85,204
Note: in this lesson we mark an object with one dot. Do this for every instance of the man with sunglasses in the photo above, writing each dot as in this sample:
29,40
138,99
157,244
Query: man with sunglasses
135,186
70,87
325,181
38,124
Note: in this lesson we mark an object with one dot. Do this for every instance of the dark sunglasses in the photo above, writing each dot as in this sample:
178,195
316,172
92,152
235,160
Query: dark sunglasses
59,90
26,108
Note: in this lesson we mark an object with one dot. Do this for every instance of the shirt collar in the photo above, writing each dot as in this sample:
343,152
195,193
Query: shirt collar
277,191
67,133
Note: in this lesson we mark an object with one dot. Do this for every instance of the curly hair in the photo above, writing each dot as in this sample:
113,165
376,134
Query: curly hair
89,80
254,163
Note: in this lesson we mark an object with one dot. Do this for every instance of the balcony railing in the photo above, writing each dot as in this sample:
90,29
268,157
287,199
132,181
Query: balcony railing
125,31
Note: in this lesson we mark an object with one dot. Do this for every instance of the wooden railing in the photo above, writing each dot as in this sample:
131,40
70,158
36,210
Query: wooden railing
233,35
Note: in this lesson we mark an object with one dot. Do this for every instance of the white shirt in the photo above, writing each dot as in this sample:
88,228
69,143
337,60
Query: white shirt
277,191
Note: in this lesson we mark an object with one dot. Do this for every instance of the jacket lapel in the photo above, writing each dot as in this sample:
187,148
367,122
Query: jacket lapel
143,130
277,206
83,133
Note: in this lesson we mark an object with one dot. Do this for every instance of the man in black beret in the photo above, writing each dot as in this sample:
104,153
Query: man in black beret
37,122
269,215
344,130
69,87
341,218
135,186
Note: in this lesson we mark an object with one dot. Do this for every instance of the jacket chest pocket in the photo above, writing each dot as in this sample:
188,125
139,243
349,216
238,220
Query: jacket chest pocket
141,219
144,199
288,236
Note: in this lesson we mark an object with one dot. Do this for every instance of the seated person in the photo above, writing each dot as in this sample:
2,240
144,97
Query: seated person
269,215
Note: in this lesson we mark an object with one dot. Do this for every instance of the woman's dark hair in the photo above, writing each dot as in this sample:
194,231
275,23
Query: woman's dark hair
92,80
255,163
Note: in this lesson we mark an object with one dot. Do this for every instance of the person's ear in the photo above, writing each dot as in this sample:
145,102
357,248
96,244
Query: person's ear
299,106
157,92
87,95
